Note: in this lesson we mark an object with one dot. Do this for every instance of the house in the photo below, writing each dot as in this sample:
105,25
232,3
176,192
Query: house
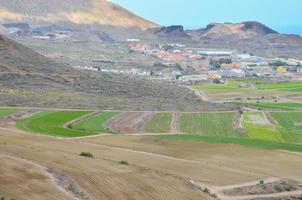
281,70
230,66
214,75
215,53
233,73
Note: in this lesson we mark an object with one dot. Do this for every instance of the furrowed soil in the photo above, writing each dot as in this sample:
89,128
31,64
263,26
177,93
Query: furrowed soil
158,169
129,122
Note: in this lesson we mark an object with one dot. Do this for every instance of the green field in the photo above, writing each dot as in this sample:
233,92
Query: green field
291,125
231,85
159,123
256,129
287,85
275,106
95,124
211,124
7,111
240,141
52,123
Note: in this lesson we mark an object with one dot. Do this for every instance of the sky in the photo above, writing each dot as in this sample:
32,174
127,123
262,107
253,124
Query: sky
284,16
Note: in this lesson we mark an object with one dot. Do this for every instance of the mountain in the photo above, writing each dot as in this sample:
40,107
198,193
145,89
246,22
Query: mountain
232,31
80,15
15,57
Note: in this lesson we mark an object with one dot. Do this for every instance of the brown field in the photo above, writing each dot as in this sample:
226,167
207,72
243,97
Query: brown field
129,122
158,169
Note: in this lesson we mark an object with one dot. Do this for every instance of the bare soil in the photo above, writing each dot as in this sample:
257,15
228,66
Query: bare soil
275,187
129,122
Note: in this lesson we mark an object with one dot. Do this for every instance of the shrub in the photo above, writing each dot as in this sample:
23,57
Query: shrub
86,154
123,162
206,190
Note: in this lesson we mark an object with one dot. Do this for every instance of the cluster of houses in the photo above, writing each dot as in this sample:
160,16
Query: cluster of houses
165,55
245,65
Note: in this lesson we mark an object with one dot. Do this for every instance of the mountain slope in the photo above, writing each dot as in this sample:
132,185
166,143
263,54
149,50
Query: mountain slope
78,12
233,31
15,57
30,79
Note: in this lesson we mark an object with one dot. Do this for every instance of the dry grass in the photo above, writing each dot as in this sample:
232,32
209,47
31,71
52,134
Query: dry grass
159,169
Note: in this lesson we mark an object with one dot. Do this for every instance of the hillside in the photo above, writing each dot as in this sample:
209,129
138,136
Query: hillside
80,15
15,57
30,79
244,30
82,12
252,37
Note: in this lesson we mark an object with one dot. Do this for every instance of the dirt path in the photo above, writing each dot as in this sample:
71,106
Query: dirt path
129,122
270,118
237,121
218,191
175,122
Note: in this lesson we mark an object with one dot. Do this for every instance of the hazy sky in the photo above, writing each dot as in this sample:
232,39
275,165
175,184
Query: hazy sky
282,15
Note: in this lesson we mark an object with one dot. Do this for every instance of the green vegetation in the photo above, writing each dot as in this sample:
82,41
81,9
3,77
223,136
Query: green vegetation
283,86
123,162
212,124
231,85
52,123
275,106
240,141
159,123
7,111
257,127
95,124
291,125
86,154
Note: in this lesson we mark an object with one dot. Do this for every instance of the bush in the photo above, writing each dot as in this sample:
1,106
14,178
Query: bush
206,190
123,162
86,154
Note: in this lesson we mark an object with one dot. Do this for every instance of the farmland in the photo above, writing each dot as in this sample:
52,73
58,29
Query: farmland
94,124
291,125
213,124
258,127
157,162
7,111
256,143
52,123
275,106
231,85
253,89
283,86
159,123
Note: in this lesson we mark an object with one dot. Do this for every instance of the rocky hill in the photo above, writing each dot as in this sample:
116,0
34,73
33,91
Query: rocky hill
233,31
30,79
80,15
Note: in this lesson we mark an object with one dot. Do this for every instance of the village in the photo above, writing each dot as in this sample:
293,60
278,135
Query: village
216,65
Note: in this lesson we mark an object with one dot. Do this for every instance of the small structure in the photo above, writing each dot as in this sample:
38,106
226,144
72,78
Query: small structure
281,70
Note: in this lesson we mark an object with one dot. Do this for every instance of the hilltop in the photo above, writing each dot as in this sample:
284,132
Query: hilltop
94,16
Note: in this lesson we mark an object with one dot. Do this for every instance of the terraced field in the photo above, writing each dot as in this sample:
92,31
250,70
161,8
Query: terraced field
7,111
229,86
283,86
52,123
210,124
95,124
262,144
291,125
259,127
159,123
275,106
